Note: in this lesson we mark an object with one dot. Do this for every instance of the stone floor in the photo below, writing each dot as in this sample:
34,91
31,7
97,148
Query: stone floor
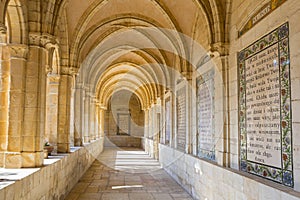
126,174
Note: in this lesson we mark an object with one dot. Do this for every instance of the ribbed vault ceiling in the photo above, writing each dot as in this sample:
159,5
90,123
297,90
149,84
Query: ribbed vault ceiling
138,45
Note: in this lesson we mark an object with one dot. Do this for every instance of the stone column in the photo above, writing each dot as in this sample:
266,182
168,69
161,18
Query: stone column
189,109
156,127
162,138
52,110
79,115
35,104
222,121
150,122
4,101
64,109
72,116
3,94
146,123
102,111
92,119
97,120
86,118
13,68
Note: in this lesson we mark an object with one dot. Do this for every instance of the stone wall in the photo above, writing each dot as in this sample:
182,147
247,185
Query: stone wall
242,12
54,181
122,141
206,180
125,103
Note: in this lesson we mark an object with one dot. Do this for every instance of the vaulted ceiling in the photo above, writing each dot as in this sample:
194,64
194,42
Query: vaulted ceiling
137,45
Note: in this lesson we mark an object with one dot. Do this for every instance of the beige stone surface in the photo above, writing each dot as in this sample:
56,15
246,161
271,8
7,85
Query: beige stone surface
214,182
54,180
62,62
129,174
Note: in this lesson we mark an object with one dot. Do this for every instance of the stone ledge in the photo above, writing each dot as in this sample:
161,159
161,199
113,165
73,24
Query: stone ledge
52,181
204,179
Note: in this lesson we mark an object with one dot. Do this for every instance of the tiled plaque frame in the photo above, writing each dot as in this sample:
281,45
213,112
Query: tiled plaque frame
283,175
208,80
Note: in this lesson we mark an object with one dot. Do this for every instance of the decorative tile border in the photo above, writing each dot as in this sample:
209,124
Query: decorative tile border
283,175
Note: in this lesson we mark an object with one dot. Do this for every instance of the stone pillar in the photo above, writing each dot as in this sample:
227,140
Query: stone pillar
150,121
64,109
86,118
96,125
222,113
35,104
156,127
79,115
4,100
162,138
189,110
102,112
72,116
52,110
13,68
146,123
92,118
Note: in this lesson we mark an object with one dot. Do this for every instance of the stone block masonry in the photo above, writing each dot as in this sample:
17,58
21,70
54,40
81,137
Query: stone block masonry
206,180
54,180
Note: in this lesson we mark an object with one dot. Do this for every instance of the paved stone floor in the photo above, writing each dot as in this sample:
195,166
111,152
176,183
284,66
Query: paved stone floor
126,174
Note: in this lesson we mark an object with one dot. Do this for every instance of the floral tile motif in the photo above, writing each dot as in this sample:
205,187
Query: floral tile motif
283,175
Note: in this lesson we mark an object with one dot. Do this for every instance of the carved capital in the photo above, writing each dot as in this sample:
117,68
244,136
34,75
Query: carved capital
95,100
34,39
221,48
48,69
188,75
69,71
18,51
91,96
53,78
48,41
3,31
101,106
42,40
3,28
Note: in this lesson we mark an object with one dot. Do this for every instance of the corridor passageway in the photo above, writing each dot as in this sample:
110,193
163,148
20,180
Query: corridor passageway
204,96
126,174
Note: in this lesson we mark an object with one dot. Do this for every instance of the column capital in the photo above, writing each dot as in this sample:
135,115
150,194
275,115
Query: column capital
95,100
53,78
18,50
220,48
3,28
3,31
71,71
101,106
42,40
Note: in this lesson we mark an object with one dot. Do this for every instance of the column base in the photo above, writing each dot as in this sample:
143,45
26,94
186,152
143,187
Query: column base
17,160
63,148
35,159
78,142
12,160
87,139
